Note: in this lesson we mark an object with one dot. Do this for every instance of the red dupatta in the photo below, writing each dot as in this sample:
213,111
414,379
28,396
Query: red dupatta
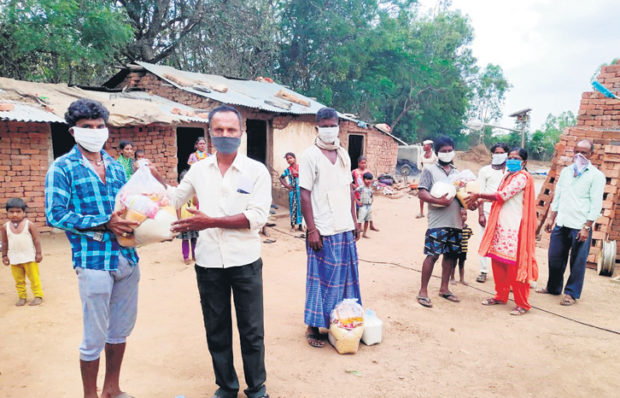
527,268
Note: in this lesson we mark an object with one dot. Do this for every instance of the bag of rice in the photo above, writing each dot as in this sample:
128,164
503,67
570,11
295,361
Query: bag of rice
146,202
346,326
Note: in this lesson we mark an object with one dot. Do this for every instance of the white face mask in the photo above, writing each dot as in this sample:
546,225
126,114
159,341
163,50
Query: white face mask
499,158
90,139
446,157
581,162
328,134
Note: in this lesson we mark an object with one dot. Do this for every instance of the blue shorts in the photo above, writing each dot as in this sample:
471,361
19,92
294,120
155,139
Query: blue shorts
440,241
109,306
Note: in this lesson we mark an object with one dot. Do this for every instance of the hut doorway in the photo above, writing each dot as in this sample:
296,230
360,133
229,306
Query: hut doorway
257,140
186,138
62,140
356,148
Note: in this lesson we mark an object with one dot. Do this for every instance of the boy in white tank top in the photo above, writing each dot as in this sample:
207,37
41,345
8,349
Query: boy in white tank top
21,249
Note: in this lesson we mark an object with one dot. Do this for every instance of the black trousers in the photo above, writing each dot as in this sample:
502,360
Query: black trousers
246,284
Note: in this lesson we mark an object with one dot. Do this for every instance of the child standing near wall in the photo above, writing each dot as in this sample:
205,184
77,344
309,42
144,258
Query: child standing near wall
21,249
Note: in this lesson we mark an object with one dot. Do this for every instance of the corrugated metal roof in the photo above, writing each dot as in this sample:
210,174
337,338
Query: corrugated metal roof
28,113
166,106
247,93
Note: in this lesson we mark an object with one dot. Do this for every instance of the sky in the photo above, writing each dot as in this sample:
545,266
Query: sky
548,49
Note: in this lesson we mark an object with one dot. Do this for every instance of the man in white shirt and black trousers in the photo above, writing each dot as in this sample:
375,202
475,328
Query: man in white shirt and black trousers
234,193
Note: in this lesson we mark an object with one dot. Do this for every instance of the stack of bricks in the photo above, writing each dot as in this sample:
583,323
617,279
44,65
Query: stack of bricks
598,120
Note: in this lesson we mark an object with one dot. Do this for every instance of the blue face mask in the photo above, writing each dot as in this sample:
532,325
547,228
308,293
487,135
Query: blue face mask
226,145
513,165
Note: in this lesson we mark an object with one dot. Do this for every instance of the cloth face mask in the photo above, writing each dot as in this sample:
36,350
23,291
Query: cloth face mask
581,162
499,158
90,139
226,145
513,165
328,134
446,157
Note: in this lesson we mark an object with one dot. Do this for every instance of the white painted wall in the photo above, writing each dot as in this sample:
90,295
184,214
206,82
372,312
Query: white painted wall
295,137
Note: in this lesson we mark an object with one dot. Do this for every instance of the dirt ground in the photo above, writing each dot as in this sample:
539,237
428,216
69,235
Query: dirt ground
461,349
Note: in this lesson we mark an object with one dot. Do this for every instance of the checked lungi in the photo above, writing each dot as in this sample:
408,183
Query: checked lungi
332,276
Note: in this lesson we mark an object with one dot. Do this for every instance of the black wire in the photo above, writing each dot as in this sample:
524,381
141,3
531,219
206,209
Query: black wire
484,291
476,288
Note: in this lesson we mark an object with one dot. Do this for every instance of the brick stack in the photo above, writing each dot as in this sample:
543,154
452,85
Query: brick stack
598,120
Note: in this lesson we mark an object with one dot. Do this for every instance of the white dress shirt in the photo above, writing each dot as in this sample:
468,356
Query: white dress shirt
245,188
330,191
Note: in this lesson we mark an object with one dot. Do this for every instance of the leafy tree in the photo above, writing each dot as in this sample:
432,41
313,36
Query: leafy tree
542,142
489,89
60,40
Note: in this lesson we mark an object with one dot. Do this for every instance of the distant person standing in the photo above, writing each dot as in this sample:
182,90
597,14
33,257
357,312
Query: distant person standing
21,249
294,201
200,152
489,178
327,203
577,203
428,158
358,182
126,157
364,202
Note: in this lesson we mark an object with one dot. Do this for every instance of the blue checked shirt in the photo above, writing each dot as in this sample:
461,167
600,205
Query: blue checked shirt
76,199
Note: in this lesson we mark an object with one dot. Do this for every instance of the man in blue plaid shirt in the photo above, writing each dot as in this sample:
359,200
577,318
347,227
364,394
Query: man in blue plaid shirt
80,188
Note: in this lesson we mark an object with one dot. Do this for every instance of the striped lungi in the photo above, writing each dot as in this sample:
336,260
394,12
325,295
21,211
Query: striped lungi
332,276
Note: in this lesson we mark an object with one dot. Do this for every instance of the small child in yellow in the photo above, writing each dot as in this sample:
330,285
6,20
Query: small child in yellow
21,249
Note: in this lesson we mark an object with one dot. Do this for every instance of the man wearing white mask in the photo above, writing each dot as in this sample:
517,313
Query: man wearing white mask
80,188
234,193
328,206
489,178
577,203
443,236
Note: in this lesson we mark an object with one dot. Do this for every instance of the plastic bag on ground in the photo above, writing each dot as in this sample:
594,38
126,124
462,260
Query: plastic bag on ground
346,326
146,201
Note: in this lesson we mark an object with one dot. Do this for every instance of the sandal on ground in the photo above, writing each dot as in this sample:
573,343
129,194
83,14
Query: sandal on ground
492,301
21,302
269,241
542,290
518,311
450,297
567,300
424,302
482,277
315,339
36,301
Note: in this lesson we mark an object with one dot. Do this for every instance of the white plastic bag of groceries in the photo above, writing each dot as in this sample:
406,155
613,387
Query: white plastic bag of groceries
346,326
146,201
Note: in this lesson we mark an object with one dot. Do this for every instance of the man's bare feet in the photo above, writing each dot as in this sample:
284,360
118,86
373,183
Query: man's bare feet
365,236
462,282
373,228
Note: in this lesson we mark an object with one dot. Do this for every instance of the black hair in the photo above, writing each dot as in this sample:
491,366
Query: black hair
362,158
521,151
290,154
124,143
85,108
326,113
368,176
200,139
15,203
135,154
442,141
226,108
502,145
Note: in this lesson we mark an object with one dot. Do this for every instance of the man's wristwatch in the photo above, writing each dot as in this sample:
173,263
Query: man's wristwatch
587,227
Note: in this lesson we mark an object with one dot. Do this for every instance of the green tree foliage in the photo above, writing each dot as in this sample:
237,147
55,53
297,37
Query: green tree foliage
60,40
542,142
489,89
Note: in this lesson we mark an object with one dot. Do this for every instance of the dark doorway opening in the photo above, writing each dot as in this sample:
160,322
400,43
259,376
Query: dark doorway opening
62,140
186,138
257,140
356,149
